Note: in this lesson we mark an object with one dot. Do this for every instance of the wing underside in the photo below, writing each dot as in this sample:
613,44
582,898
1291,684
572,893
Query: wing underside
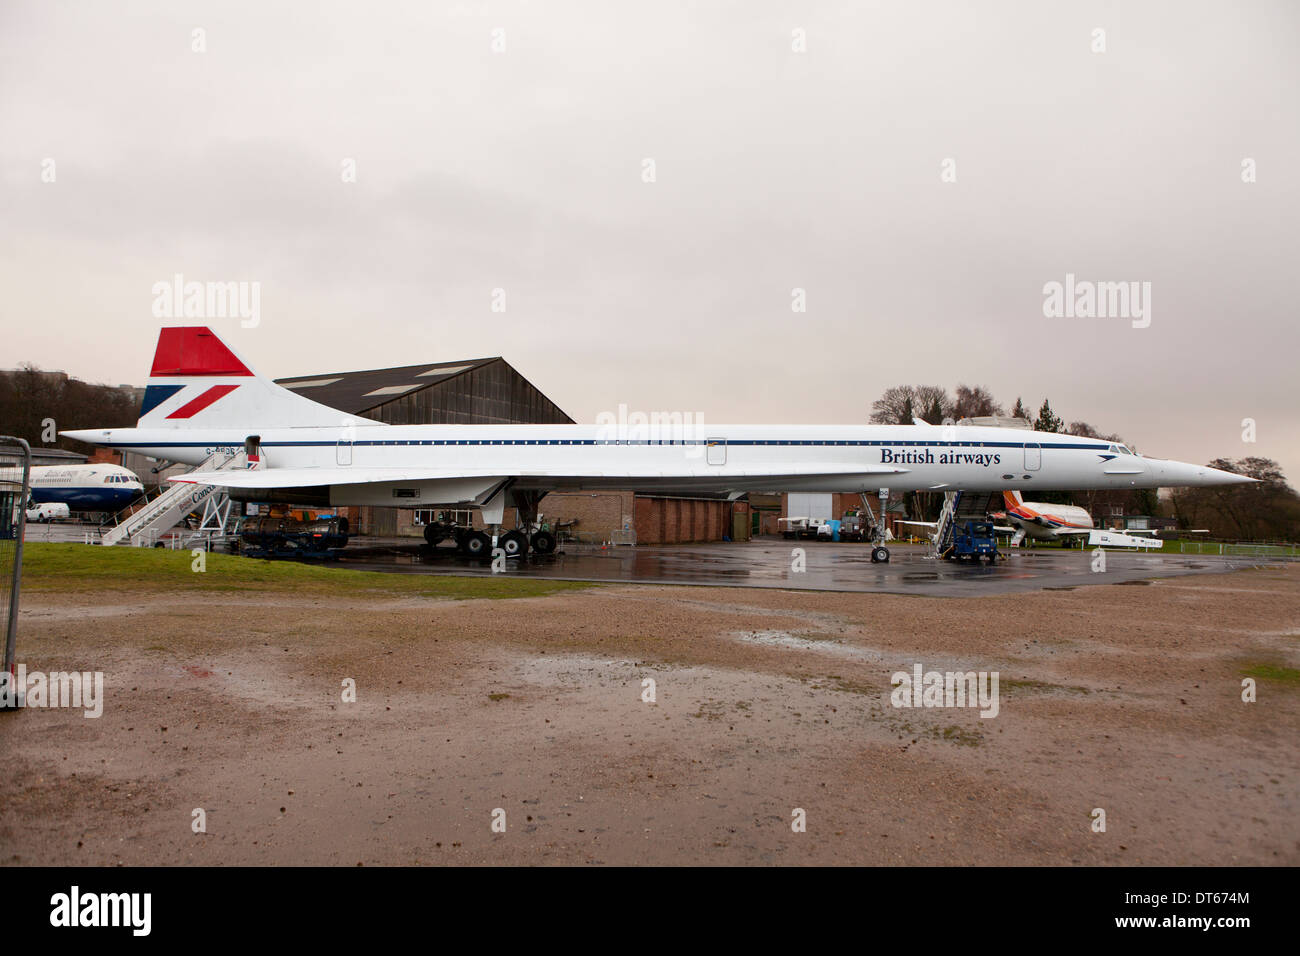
700,478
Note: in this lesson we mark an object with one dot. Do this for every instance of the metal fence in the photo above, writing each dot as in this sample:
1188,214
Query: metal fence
1279,549
15,486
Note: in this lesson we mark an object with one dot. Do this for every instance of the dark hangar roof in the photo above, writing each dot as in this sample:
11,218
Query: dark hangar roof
359,392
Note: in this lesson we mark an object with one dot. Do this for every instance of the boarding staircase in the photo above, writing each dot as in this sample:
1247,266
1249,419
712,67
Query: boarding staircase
143,526
958,508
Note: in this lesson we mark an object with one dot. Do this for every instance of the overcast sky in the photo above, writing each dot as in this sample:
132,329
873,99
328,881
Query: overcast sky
775,170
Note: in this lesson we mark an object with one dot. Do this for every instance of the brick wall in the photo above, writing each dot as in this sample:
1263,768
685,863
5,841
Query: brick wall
682,520
594,515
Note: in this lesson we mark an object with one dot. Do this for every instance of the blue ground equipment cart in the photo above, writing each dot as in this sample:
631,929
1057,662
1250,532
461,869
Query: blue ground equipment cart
973,540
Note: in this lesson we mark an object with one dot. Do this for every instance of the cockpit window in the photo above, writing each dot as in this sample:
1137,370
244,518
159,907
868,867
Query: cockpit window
1114,449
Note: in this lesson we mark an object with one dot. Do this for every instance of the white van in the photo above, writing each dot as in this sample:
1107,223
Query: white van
51,511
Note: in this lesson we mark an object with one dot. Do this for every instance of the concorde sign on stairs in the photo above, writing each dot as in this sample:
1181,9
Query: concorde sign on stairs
169,508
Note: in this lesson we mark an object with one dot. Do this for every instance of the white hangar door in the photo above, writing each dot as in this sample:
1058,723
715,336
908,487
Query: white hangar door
809,505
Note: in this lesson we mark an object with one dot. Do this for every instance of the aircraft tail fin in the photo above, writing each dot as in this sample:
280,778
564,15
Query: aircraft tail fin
198,381
1012,499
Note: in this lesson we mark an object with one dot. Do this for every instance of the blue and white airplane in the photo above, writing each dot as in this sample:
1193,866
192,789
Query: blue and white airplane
203,399
89,487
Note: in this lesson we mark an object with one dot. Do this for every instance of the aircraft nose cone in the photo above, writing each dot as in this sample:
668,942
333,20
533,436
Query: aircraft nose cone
1205,476
1230,478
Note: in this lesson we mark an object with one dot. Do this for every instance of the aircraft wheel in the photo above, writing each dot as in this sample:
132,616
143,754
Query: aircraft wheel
477,544
513,543
543,542
879,555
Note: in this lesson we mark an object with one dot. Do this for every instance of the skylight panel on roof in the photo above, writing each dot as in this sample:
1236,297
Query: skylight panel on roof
312,383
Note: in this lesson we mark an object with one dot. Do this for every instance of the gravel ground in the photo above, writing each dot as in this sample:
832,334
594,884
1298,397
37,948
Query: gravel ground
1120,697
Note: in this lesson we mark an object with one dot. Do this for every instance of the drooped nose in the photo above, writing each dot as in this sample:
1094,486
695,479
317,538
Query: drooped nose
1177,474
1229,478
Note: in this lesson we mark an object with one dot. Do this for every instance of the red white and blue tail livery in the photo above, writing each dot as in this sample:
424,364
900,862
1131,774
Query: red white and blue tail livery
198,382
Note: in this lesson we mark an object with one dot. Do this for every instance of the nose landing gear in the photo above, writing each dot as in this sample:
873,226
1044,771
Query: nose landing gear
879,553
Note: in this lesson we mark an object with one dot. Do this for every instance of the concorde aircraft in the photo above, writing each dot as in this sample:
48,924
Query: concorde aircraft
203,400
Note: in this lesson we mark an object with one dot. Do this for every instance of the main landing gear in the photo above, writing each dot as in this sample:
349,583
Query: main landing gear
516,543
482,545
475,544
478,544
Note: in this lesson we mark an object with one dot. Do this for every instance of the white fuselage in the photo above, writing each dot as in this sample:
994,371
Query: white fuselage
924,457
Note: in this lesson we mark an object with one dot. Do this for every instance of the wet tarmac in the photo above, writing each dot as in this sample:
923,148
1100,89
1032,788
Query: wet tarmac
768,563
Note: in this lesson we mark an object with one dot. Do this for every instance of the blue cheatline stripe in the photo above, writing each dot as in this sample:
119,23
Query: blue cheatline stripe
590,441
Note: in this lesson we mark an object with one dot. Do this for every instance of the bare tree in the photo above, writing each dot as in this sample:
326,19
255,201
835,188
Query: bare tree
901,403
1267,510
895,407
30,397
974,401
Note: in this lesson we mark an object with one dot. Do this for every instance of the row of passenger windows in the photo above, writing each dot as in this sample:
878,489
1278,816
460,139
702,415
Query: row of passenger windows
579,441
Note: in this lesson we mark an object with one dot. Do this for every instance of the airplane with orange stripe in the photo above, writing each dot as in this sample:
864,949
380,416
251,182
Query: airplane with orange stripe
1041,521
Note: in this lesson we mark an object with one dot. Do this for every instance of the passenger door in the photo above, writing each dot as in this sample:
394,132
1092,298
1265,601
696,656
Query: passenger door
716,453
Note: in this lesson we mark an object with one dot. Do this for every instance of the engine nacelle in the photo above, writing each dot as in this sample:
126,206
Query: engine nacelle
284,534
